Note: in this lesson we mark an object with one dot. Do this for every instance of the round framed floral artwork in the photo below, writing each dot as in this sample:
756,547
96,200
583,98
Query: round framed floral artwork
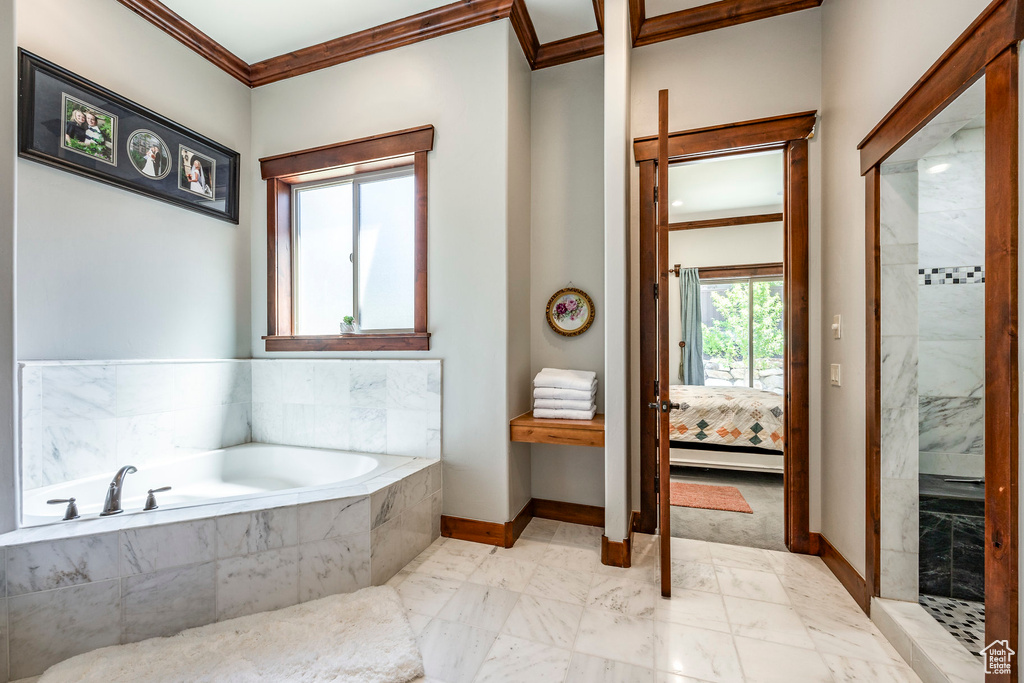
570,312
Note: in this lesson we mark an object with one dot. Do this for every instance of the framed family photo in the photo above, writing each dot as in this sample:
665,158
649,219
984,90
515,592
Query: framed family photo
79,126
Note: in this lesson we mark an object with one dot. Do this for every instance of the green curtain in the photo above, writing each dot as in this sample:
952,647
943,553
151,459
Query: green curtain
691,356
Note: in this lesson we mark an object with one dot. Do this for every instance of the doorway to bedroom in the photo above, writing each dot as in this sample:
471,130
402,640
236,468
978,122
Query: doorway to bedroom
723,253
726,351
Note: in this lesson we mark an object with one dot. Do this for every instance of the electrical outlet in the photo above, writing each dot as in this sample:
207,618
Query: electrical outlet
834,377
837,327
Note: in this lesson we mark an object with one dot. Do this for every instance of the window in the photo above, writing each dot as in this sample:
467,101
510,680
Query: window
346,235
737,327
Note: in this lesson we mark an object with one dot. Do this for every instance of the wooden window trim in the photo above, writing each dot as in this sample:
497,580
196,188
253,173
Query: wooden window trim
400,148
727,222
747,270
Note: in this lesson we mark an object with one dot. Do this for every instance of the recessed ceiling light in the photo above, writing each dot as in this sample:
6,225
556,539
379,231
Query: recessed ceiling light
678,202
938,168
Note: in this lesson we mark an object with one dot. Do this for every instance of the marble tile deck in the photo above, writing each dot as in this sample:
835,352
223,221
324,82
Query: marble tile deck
548,610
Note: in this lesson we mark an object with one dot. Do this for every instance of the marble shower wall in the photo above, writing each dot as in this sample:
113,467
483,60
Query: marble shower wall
86,418
60,598
370,406
899,384
952,306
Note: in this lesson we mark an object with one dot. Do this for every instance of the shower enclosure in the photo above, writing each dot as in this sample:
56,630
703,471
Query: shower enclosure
932,241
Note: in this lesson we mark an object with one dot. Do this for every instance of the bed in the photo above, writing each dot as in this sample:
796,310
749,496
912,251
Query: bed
745,424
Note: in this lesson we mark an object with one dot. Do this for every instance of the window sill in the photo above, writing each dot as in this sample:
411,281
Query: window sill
398,341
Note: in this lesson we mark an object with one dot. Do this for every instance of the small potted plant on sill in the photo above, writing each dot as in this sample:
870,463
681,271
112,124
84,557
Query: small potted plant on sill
348,325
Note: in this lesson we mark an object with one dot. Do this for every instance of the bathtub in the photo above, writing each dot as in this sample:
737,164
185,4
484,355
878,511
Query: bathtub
245,529
242,472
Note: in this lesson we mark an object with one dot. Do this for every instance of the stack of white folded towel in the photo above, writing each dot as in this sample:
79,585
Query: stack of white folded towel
565,394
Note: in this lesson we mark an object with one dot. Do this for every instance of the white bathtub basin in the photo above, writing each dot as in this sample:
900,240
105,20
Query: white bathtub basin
245,471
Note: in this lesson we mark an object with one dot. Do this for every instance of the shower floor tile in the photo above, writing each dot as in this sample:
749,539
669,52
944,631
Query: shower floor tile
964,619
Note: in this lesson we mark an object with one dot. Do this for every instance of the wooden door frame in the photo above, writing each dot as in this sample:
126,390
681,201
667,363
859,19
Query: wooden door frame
988,47
790,134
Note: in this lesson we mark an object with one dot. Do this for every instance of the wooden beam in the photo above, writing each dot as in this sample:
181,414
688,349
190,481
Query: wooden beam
165,19
599,14
726,222
406,31
999,26
570,50
637,14
743,134
713,16
522,24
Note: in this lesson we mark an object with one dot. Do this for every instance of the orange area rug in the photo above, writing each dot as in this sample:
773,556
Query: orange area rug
707,497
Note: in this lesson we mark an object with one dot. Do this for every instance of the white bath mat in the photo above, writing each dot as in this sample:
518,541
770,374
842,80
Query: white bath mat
363,637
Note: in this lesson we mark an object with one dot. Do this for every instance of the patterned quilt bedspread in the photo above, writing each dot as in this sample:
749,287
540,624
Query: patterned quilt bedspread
726,416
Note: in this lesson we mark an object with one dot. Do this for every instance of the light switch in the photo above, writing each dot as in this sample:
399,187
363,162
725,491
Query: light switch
834,375
837,326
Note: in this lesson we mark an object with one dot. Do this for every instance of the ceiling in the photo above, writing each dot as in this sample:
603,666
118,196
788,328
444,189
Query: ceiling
258,29
726,186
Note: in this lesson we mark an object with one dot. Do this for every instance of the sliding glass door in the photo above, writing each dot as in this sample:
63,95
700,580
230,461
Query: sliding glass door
743,333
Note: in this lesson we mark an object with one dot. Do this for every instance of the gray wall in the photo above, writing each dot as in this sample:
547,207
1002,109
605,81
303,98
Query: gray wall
518,263
567,119
874,51
759,69
104,273
460,84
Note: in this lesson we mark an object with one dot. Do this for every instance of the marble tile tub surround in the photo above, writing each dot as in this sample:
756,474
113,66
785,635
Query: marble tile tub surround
371,406
64,597
86,418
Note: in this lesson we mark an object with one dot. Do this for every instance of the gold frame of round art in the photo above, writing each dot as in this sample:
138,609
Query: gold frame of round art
592,312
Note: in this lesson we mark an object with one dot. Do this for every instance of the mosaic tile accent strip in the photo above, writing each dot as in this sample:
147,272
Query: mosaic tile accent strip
964,619
952,275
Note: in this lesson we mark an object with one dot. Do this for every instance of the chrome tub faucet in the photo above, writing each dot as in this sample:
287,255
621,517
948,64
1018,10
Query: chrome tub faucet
112,505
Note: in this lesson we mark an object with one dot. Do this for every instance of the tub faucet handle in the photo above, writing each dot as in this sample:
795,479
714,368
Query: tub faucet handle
151,499
72,510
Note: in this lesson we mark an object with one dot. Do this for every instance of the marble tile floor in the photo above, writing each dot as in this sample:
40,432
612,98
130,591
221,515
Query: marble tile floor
762,529
548,610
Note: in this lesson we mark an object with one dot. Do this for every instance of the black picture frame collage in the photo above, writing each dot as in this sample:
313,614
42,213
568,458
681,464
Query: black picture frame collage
68,122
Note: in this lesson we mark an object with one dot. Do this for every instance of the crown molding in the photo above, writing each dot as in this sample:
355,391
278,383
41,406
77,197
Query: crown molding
716,15
423,26
165,19
454,17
